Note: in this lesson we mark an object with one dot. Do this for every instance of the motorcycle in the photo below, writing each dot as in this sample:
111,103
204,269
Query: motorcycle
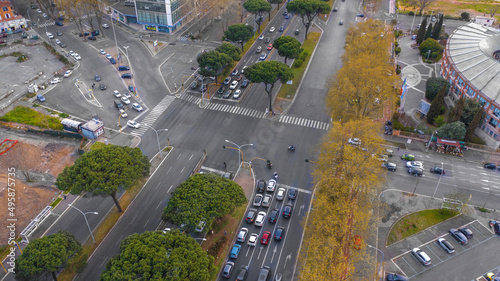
275,176
291,148
270,165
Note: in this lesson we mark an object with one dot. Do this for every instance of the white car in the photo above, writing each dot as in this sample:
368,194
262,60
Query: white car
272,29
125,100
237,94
123,113
234,84
117,94
58,41
414,164
137,106
39,11
127,95
68,73
261,217
133,124
261,37
252,240
108,56
105,25
242,235
50,35
71,53
271,185
55,80
354,141
102,52
77,56
280,194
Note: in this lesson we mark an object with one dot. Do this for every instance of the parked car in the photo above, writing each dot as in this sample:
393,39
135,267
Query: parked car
280,195
415,171
389,166
194,85
279,233
257,200
459,236
415,164
123,68
133,124
292,193
131,88
92,38
58,41
112,61
437,170
447,247
40,98
396,277
55,80
467,232
237,94
252,240
354,141
409,157
127,76
288,210
62,45
108,56
235,251
228,269
490,166
137,107
59,33
50,35
201,225
261,217
220,91
266,202
265,238
242,235
273,216
244,84
242,273
421,256
68,73
261,186
251,215
271,185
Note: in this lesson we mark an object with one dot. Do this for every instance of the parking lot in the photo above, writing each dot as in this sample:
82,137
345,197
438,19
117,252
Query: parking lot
411,267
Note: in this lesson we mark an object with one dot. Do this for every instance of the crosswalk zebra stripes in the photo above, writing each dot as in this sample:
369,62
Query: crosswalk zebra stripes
52,22
304,122
153,115
190,98
236,110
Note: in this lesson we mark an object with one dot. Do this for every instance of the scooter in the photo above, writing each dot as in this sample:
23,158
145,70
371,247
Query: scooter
291,148
270,165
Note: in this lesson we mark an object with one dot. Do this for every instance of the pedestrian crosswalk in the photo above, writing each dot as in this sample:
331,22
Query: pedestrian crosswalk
304,122
190,98
236,110
153,115
47,23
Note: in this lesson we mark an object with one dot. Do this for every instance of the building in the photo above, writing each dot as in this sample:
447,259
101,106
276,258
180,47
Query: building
9,20
471,64
485,21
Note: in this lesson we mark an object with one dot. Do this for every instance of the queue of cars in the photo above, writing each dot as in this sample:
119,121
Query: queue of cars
233,81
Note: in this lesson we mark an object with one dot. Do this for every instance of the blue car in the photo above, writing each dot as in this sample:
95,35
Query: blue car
40,98
235,251
112,60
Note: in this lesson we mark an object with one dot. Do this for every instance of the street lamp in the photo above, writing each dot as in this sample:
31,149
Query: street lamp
240,155
157,138
114,33
85,216
491,191
440,177
382,257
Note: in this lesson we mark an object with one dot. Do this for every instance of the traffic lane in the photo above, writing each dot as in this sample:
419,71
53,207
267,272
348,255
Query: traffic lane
144,213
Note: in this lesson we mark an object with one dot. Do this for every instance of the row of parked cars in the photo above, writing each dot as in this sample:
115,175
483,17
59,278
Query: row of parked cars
233,81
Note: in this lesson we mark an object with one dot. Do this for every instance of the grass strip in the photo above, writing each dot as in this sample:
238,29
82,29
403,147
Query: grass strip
28,116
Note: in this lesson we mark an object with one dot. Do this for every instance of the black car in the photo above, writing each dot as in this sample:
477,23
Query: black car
261,186
242,273
273,217
251,215
396,277
268,40
127,76
244,84
279,233
97,78
62,45
292,193
389,166
437,170
93,38
58,23
467,232
102,86
490,166
458,236
415,171
287,211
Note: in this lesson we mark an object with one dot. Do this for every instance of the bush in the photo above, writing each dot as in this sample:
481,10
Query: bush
215,248
442,110
397,50
434,55
396,43
439,121
297,63
304,55
433,85
465,16
430,45
398,71
63,115
411,13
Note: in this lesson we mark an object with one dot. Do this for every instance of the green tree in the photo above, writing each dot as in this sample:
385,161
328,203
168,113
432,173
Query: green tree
308,10
239,33
103,171
478,118
153,255
436,105
287,47
46,254
276,2
471,108
421,31
428,32
430,45
212,63
439,121
422,4
203,196
456,112
257,8
465,16
434,85
269,72
437,29
230,50
452,131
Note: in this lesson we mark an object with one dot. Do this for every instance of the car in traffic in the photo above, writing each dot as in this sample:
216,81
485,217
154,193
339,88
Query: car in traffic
234,84
459,236
268,39
251,215
55,80
292,193
235,72
117,94
437,170
389,166
227,80
447,247
242,235
105,25
269,47
271,185
68,73
252,240
97,78
125,100
265,238
242,273
282,28
235,251
490,166
257,200
272,29
261,217
228,269
258,50
467,232
288,210
102,86
123,114
266,202
261,186
279,233
40,98
261,37
341,22
237,94
194,85
273,216
244,84
280,195
409,157
227,94
133,124
335,9
263,56
414,164
421,256
264,273
137,107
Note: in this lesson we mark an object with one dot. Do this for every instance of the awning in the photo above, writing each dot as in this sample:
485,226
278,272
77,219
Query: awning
448,142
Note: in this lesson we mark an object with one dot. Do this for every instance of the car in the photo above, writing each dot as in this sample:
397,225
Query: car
288,210
105,25
282,28
131,88
261,185
58,23
447,247
127,76
62,45
133,124
467,232
242,235
490,166
271,185
45,16
280,194
227,80
108,56
383,158
415,164
203,88
127,95
252,239
285,13
123,113
123,68
421,256
194,85
266,202
77,56
112,61
335,9
239,77
268,39
242,273
227,94
272,29
263,56
438,170
93,38
235,72
251,215
71,52
50,35
415,171
360,15
237,94
341,22
257,200
490,276
244,84
137,107
40,98
201,225
261,217
55,80
68,73
459,236
297,32
24,35
166,230
287,16
3,41
58,41
414,37
102,86
117,94
292,193
261,37
39,11
354,141
97,78
264,273
228,269
278,233
389,166
273,217
59,33
269,47
396,277
125,100
265,238
409,157
234,84
235,251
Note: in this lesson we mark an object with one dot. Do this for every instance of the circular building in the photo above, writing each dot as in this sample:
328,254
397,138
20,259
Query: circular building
471,64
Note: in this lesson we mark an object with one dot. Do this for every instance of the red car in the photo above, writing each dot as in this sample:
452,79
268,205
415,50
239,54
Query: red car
265,238
270,46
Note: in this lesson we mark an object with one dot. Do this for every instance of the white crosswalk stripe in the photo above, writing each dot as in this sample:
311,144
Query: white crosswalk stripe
190,98
153,115
51,22
304,122
236,110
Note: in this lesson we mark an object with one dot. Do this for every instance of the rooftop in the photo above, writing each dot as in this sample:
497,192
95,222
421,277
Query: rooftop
475,51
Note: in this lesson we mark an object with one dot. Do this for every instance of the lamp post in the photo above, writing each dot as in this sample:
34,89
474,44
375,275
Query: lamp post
114,33
440,177
85,216
491,191
239,149
382,257
429,144
157,138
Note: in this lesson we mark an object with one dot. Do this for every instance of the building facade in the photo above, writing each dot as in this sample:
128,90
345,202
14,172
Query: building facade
485,21
9,20
471,64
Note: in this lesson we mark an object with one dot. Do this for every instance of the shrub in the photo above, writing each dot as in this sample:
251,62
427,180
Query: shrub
297,63
63,115
304,55
433,85
397,50
465,16
430,45
398,71
215,248
434,55
411,13
439,121
442,110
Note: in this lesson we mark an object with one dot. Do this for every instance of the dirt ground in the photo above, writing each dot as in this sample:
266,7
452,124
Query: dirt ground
455,7
44,161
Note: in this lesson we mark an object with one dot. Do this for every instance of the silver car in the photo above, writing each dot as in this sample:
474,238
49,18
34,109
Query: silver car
257,200
266,202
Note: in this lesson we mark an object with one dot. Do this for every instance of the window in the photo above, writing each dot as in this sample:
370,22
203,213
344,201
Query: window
496,111
5,9
493,122
7,16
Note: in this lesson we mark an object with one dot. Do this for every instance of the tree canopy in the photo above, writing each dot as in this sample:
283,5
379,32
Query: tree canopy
422,4
288,47
430,45
268,73
421,31
212,63
230,50
308,10
153,255
452,131
456,112
276,2
46,254
202,196
239,33
471,107
435,108
103,171
478,118
434,85
257,8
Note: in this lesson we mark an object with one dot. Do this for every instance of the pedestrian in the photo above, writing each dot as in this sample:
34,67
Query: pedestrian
225,165
398,148
64,197
225,232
